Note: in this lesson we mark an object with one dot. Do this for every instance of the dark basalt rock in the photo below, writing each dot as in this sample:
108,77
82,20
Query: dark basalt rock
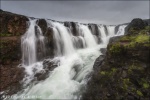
117,28
147,21
105,28
48,66
73,26
41,76
103,51
98,62
49,42
43,25
136,24
94,29
114,39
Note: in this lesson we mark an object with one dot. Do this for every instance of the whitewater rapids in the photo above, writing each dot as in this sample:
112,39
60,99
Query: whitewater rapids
68,80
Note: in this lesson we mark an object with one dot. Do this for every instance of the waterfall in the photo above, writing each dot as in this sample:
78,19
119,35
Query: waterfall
121,30
33,48
62,37
89,38
103,34
111,30
66,38
28,41
78,42
75,53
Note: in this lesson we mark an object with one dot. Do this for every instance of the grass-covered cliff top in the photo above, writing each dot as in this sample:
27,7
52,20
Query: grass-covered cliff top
124,74
137,38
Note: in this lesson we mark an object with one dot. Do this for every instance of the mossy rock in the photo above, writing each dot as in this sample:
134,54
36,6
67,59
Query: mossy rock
135,26
124,73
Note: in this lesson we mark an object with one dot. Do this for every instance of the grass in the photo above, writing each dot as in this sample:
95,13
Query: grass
142,38
139,93
146,85
5,34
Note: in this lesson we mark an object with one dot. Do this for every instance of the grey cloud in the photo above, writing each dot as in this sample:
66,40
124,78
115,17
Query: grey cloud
102,12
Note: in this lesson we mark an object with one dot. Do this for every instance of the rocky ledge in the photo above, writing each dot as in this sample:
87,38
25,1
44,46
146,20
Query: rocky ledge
125,71
12,27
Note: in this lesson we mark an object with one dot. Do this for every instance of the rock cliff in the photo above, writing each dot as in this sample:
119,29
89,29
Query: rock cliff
11,28
125,71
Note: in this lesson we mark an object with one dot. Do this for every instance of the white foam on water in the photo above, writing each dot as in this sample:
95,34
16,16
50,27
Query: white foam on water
67,80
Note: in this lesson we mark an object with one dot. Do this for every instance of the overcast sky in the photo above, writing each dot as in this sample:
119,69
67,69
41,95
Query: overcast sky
102,12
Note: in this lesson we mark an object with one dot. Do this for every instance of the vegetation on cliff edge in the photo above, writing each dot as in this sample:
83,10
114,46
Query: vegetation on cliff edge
125,71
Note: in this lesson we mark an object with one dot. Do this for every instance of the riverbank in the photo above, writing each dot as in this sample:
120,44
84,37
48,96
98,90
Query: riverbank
125,71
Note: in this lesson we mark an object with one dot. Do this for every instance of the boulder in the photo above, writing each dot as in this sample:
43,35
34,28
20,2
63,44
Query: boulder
98,62
136,24
103,51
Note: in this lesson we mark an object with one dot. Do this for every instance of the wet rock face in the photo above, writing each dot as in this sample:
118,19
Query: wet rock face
98,62
48,67
117,28
103,51
49,42
43,25
73,26
94,29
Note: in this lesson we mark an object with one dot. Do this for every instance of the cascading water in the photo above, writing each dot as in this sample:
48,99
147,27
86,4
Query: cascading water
111,30
57,37
29,44
32,41
121,30
29,40
66,38
41,43
89,38
75,62
79,42
103,34
104,37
